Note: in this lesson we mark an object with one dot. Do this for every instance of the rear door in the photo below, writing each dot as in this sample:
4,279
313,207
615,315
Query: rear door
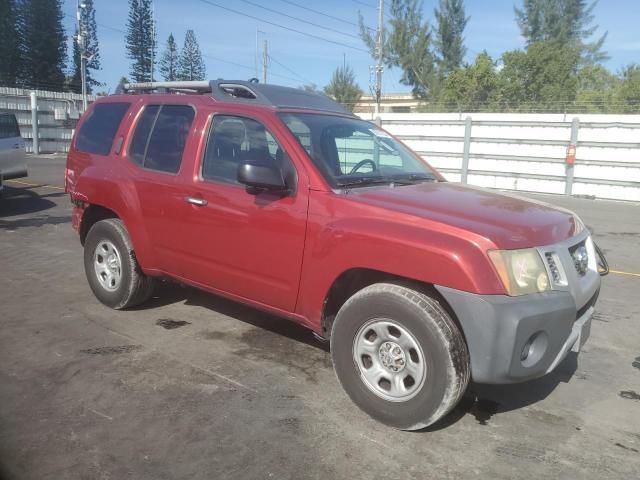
159,151
13,163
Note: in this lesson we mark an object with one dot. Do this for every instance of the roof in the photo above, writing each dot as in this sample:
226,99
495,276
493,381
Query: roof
240,91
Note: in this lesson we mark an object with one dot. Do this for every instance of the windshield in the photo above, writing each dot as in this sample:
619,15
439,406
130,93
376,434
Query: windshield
351,152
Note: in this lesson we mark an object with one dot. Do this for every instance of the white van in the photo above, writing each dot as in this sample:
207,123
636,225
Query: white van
13,159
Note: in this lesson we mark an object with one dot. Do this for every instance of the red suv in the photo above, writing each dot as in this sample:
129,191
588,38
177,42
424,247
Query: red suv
282,200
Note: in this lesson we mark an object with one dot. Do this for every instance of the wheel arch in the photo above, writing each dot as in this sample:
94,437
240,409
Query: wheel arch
355,279
91,215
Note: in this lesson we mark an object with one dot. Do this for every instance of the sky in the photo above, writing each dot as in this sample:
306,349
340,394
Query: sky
228,38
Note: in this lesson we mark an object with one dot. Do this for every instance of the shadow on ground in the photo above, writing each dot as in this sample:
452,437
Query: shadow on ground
16,202
481,401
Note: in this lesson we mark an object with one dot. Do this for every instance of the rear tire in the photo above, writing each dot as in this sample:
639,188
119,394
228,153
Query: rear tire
111,267
399,355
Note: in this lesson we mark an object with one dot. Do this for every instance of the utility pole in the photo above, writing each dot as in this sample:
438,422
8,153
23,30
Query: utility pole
379,51
83,54
265,56
256,56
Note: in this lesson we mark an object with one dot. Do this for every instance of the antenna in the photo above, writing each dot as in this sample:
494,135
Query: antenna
380,54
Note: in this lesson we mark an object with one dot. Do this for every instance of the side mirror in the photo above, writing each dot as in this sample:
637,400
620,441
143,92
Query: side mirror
262,177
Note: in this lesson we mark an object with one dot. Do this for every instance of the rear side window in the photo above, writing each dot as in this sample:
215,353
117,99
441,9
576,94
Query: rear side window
98,130
8,126
160,137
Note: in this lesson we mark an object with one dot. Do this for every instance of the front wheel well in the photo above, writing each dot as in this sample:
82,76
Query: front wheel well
91,215
355,279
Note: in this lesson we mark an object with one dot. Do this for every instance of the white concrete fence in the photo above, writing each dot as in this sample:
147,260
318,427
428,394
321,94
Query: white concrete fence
527,152
56,112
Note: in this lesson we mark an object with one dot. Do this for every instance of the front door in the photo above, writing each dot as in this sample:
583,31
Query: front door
246,244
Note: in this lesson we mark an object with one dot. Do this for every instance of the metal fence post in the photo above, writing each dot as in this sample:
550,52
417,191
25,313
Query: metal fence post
575,126
466,150
34,123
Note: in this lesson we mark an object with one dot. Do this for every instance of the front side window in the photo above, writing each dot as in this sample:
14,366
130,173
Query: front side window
99,129
9,127
234,140
160,137
350,152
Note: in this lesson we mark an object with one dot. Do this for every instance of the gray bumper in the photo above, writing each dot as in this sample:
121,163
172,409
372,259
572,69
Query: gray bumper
497,329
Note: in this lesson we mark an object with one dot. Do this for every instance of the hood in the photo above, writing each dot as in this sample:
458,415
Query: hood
509,221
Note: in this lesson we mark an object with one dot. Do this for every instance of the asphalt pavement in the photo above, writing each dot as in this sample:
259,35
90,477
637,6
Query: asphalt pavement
194,386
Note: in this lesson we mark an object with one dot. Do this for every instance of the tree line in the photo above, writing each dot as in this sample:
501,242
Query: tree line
559,69
33,47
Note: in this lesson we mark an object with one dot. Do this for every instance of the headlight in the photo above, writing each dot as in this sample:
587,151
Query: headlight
521,271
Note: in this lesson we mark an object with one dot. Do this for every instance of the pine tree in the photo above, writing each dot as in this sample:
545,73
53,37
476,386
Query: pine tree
9,51
565,22
449,41
140,40
407,45
169,60
88,22
343,87
42,44
191,65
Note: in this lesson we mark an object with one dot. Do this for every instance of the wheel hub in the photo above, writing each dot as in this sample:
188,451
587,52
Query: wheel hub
112,262
107,265
392,357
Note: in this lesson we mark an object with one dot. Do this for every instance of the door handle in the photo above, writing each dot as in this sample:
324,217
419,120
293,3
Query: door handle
16,146
200,202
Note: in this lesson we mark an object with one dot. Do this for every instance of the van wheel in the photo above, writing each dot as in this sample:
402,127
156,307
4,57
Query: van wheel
399,355
111,267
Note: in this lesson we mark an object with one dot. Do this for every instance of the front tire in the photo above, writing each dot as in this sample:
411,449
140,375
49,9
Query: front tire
399,355
111,267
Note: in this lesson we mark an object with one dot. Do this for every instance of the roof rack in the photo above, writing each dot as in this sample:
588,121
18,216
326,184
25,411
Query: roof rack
164,87
241,91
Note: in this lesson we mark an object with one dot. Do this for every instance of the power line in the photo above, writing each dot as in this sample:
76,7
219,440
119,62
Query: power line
73,17
111,28
218,59
289,70
317,37
338,19
365,4
300,19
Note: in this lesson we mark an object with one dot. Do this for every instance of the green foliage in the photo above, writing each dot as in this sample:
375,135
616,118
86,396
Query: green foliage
343,87
88,22
169,60
9,47
628,94
449,41
42,44
567,22
596,89
544,77
191,65
140,43
407,45
472,88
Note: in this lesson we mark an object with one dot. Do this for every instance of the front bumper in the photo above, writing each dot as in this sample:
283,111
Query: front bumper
547,326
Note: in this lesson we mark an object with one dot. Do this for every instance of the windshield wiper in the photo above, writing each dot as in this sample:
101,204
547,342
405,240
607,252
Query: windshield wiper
408,179
368,181
415,177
